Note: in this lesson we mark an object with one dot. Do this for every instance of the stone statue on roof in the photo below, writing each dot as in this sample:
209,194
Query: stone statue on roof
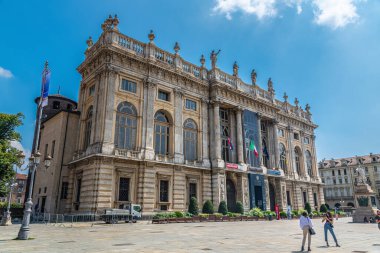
253,77
213,58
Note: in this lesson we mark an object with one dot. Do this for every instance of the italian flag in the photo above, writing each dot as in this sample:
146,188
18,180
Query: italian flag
253,147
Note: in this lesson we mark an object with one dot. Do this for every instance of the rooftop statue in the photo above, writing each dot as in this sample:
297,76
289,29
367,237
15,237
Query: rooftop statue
213,58
253,77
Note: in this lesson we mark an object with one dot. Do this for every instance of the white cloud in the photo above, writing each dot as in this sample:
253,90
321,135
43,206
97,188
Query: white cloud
260,8
335,13
5,73
331,13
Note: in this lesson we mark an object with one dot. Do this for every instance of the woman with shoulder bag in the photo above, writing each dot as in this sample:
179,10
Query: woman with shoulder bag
307,227
329,220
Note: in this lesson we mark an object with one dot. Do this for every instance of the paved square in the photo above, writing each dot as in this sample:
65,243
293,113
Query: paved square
250,236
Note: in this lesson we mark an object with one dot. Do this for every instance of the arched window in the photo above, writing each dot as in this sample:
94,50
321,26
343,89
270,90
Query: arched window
297,155
126,126
162,133
88,126
190,137
309,163
282,157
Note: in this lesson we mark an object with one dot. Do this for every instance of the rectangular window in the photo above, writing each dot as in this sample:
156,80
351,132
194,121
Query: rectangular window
334,181
127,85
339,172
288,198
164,191
52,149
304,198
296,136
64,190
306,140
124,189
46,150
375,168
91,90
190,104
45,189
192,190
56,105
345,172
163,95
333,173
315,199
340,181
281,132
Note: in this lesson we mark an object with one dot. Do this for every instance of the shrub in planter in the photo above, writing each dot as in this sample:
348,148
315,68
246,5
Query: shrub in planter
193,206
328,207
239,207
223,208
295,213
283,215
256,212
208,207
323,208
179,214
300,211
308,207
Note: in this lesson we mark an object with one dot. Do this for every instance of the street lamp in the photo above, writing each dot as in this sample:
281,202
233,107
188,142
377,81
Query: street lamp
7,219
34,161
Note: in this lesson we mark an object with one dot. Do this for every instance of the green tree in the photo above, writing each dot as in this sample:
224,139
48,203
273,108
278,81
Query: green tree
9,156
308,208
193,206
208,207
239,207
223,207
323,208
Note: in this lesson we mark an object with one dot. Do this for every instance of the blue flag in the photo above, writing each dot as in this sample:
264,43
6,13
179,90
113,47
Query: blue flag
45,86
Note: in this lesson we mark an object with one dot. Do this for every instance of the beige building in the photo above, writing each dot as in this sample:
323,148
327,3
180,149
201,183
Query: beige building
58,139
156,130
339,177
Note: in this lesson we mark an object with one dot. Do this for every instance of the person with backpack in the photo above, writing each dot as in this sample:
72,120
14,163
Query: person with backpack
329,220
307,227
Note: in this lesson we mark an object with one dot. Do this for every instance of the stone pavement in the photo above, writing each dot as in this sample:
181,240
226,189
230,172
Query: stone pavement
248,236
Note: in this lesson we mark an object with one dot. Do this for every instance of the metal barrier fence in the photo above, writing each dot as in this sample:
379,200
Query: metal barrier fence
63,218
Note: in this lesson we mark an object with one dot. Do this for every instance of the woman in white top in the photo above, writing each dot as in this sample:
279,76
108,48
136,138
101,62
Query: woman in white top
305,225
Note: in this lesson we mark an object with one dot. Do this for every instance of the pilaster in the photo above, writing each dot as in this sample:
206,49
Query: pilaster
108,142
205,135
239,135
178,129
276,147
148,149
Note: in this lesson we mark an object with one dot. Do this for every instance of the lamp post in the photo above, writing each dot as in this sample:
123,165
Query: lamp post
7,219
35,158
34,161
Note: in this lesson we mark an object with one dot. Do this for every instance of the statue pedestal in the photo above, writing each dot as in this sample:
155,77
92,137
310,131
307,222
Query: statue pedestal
6,220
363,195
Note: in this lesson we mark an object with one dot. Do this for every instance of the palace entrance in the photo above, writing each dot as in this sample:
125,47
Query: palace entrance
272,196
231,195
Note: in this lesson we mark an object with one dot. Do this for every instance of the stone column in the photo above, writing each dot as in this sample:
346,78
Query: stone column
178,129
314,158
205,135
303,150
149,149
232,121
260,144
291,151
310,197
217,139
109,106
239,135
275,141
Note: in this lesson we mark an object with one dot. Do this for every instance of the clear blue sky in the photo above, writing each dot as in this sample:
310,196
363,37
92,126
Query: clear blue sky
325,53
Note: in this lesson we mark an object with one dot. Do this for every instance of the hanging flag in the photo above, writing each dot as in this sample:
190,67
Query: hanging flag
45,85
252,147
265,151
229,144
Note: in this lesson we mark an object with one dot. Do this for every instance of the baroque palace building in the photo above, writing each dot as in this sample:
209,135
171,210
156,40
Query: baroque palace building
156,130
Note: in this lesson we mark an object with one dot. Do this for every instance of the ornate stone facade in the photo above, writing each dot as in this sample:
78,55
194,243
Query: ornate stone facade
156,130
